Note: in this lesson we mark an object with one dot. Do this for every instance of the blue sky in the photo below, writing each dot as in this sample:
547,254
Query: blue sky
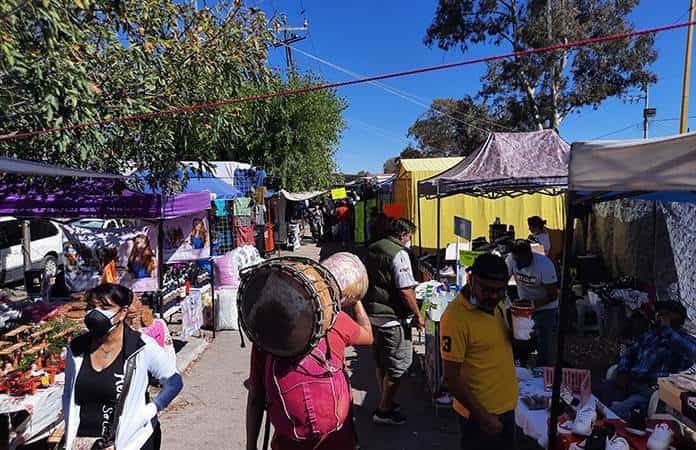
373,37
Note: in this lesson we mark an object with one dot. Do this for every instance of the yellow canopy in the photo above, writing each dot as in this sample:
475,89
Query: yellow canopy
481,211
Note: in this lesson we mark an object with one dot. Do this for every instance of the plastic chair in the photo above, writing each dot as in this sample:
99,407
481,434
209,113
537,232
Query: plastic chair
583,310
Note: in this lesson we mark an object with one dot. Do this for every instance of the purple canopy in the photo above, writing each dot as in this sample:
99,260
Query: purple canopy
102,198
519,162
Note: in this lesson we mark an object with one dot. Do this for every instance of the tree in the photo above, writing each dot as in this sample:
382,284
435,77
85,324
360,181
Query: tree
540,91
295,137
391,165
66,62
362,173
454,127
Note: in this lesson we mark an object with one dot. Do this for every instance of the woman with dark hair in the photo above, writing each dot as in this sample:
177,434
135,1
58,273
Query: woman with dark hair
539,233
105,399
141,262
198,234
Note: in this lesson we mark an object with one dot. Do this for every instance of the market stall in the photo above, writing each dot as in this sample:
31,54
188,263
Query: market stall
659,169
504,179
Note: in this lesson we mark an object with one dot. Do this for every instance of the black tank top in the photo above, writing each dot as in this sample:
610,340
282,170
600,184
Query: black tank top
97,393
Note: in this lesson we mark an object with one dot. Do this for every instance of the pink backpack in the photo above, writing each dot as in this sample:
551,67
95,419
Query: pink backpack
309,398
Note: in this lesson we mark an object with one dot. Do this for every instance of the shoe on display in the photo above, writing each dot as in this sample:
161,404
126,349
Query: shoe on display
584,420
618,443
660,438
393,417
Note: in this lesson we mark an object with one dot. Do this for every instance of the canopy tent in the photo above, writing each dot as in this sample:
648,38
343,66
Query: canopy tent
410,172
22,167
658,169
222,170
199,182
508,163
93,198
300,196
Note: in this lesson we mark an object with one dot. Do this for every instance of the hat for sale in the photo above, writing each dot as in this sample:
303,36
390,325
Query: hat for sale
490,267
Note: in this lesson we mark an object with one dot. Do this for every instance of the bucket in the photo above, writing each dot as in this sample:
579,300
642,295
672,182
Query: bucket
351,275
522,322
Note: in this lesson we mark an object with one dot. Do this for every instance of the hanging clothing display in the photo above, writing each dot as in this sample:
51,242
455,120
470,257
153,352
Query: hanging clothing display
242,206
244,235
259,214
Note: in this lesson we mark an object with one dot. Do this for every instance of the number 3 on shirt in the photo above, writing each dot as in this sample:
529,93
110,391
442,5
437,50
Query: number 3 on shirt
446,344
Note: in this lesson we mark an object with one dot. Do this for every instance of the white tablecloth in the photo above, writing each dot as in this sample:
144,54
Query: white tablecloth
534,423
45,412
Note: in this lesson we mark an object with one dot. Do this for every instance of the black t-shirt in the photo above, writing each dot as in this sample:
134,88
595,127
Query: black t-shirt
97,393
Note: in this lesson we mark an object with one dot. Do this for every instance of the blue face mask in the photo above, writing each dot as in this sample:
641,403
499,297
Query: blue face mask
485,308
523,264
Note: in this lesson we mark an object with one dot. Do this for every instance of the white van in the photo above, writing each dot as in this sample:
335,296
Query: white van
46,247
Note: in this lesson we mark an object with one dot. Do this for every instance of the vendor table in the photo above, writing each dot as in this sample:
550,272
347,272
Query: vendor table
535,423
45,413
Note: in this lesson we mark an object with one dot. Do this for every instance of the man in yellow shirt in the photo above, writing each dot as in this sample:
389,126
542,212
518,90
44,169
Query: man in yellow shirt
476,347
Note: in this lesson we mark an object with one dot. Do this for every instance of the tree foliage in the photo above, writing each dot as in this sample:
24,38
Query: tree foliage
454,127
539,91
65,62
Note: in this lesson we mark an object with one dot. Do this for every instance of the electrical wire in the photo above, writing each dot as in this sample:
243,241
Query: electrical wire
635,125
236,101
402,94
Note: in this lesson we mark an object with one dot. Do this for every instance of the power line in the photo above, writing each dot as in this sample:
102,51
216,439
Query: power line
635,125
402,94
236,101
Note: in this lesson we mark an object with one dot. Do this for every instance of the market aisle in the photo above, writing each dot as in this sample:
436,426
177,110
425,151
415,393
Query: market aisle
209,413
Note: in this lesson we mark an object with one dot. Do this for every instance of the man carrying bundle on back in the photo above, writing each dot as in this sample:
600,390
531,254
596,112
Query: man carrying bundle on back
307,394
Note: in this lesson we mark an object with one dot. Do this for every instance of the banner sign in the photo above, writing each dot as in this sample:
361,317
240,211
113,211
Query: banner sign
339,193
462,228
133,252
192,313
186,238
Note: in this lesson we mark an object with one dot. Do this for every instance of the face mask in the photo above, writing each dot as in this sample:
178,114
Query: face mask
523,265
407,244
98,322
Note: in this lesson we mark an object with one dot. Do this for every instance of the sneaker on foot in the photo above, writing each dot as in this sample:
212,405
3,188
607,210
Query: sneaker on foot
660,438
393,417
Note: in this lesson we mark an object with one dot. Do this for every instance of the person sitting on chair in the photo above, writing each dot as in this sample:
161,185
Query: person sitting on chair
665,348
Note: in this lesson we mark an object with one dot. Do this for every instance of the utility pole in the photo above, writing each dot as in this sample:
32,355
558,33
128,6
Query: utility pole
648,112
289,37
687,70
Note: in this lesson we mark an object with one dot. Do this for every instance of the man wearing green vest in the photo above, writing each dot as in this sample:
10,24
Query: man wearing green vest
390,302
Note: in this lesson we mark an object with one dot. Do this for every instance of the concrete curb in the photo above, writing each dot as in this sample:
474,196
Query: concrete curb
193,350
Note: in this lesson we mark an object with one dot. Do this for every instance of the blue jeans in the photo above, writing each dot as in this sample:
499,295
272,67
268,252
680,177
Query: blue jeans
620,402
545,328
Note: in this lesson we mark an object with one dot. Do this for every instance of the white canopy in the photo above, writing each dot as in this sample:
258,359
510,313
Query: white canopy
300,196
659,164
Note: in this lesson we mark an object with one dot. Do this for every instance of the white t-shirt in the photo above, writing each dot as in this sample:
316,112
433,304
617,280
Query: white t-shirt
531,280
260,214
545,240
402,273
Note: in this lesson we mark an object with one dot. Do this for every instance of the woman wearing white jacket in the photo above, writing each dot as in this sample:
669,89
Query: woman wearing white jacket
105,400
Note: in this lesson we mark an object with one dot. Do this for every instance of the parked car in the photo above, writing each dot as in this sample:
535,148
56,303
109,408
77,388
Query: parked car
97,223
46,248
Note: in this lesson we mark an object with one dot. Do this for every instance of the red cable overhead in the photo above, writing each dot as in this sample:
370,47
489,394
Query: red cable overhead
235,101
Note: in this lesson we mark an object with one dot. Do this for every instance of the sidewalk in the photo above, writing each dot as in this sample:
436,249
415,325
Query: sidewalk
210,412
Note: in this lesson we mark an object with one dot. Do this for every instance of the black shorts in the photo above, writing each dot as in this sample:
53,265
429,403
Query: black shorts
393,350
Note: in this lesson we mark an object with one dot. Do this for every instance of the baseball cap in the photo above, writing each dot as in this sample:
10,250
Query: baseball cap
490,267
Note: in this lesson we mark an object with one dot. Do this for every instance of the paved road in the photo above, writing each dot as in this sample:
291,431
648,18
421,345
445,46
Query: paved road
209,414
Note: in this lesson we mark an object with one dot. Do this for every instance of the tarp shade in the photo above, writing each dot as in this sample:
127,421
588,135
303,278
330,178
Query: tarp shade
520,162
658,164
300,196
22,167
198,182
92,198
480,211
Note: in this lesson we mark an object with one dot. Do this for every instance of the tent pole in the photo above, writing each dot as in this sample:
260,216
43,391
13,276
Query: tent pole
212,270
437,255
160,266
364,213
420,235
562,318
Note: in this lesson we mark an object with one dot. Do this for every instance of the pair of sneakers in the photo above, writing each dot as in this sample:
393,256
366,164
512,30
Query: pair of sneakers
615,443
393,417
661,437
